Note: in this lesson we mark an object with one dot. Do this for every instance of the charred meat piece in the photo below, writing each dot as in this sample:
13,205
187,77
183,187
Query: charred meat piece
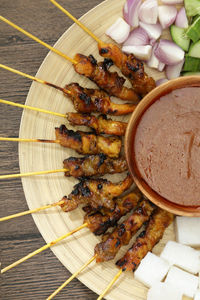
91,165
99,222
97,193
123,233
112,83
100,124
91,100
146,240
87,142
130,67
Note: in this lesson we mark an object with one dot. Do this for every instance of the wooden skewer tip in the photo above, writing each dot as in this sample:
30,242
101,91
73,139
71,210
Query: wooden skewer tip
38,40
71,278
42,248
77,22
32,173
110,285
27,212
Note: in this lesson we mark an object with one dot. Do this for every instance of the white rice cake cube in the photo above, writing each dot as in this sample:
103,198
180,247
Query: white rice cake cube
152,269
188,231
197,295
182,256
184,281
164,291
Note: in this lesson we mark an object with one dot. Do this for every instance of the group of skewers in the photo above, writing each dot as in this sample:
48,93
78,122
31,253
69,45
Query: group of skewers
103,201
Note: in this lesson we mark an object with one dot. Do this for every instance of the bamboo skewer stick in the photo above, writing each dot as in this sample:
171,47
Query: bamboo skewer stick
38,40
110,284
42,248
22,74
77,22
32,108
71,278
29,140
34,78
32,173
27,212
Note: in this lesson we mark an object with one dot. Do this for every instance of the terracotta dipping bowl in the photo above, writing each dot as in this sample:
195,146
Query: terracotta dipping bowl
148,100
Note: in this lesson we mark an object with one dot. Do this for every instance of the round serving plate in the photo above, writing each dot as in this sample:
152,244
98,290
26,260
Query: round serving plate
74,251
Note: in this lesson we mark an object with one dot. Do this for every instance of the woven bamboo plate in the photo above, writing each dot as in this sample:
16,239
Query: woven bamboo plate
73,252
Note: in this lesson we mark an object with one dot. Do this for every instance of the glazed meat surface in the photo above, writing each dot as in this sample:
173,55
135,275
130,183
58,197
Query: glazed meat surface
93,100
147,239
100,124
130,67
91,165
87,142
97,193
99,222
110,82
123,233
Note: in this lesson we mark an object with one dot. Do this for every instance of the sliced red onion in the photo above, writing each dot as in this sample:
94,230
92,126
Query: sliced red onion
161,81
168,52
119,31
181,18
131,11
153,62
148,12
138,36
154,31
174,71
141,52
161,66
167,15
172,1
152,42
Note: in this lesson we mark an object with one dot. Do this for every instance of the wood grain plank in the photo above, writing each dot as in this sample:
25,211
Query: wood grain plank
41,275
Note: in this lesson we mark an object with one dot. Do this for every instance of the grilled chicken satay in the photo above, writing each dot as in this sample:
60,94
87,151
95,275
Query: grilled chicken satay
97,193
122,234
93,100
99,222
87,142
110,82
100,124
130,67
91,165
146,240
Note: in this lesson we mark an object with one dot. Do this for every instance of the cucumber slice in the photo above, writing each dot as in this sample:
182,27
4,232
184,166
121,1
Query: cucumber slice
191,74
194,50
192,64
192,7
193,31
179,37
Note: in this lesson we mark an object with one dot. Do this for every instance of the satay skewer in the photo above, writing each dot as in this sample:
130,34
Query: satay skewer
111,82
100,124
77,167
123,206
131,67
145,242
84,100
120,236
82,142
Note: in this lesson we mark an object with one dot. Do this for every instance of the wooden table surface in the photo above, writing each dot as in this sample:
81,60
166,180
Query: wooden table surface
38,277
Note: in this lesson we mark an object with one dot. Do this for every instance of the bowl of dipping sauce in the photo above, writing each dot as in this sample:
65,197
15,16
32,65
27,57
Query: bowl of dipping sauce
162,146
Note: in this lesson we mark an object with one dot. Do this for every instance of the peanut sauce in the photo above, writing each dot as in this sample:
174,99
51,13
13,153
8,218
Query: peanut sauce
167,146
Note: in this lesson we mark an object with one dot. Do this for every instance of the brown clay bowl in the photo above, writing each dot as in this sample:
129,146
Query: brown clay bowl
147,101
